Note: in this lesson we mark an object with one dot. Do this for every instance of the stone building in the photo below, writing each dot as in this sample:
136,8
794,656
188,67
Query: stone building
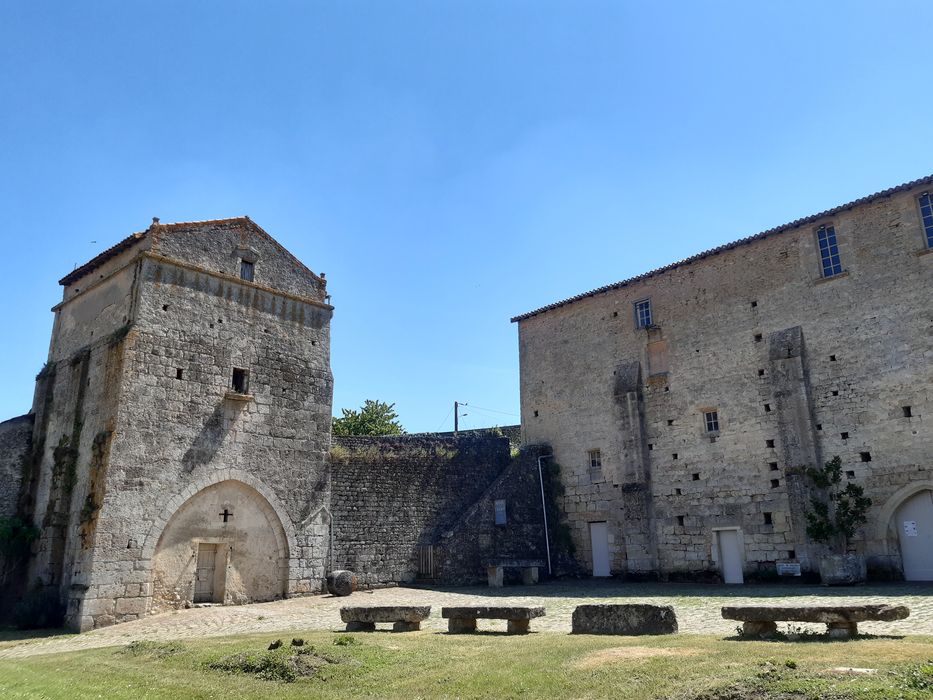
178,448
180,427
682,404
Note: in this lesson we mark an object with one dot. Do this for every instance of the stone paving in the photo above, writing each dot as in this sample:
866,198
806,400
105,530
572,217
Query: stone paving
697,608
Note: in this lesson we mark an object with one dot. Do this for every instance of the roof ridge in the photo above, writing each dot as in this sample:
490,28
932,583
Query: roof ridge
728,246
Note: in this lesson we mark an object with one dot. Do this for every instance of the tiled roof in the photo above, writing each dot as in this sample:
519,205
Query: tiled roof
132,239
729,246
96,262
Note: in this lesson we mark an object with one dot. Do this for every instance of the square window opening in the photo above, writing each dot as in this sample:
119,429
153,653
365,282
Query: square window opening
844,435
678,492
240,382
769,443
773,466
850,474
680,520
674,456
832,358
696,476
761,373
865,456
712,421
758,337
829,251
179,372
247,270
596,458
908,411
926,214
754,304
643,313
791,553
775,483
767,408
671,422
768,519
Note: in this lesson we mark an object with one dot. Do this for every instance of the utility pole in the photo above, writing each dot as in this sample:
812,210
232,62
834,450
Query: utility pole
456,418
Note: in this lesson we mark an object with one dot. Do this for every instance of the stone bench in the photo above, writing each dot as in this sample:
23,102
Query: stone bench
624,618
404,618
529,567
841,620
464,619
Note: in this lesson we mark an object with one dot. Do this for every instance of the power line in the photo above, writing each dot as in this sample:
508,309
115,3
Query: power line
490,410
443,422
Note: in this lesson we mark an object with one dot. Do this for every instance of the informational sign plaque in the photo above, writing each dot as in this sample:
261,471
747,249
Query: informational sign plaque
786,568
910,528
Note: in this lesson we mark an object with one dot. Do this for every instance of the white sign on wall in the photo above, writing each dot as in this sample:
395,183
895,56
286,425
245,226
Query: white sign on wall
788,568
500,512
910,528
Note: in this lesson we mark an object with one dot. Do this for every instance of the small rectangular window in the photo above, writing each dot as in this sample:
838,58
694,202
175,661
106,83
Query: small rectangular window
596,459
712,421
926,211
829,251
240,382
500,511
247,269
643,313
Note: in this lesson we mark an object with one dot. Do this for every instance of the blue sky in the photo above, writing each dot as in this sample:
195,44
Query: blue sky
448,164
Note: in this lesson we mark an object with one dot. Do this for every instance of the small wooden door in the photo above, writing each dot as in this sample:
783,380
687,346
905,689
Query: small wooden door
599,539
204,574
730,556
914,520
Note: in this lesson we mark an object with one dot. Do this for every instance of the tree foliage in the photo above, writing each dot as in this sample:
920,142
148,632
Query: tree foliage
373,418
837,512
16,538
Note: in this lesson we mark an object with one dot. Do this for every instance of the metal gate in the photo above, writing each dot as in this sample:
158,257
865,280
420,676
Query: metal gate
426,562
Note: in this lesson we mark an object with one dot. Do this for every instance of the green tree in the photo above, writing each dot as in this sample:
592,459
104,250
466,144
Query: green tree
373,418
837,513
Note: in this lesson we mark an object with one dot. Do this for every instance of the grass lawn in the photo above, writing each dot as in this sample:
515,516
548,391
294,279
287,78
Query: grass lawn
429,665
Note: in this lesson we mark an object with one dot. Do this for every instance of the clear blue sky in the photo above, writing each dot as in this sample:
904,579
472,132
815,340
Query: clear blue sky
448,164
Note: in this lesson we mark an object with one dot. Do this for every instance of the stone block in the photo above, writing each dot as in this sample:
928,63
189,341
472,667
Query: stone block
341,582
624,619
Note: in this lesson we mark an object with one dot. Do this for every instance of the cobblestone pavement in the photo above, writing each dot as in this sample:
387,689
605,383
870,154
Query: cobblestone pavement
697,608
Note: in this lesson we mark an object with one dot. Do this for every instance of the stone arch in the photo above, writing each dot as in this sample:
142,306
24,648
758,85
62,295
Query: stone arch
886,515
256,555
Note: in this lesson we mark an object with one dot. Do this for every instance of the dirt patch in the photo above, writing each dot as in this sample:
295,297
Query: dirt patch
617,654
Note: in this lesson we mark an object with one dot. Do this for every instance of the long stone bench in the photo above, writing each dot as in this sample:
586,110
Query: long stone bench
462,620
529,567
841,620
404,618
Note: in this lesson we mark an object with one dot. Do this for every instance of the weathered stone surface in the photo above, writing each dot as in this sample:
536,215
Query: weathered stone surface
816,613
842,569
393,496
341,582
627,619
798,367
493,612
385,613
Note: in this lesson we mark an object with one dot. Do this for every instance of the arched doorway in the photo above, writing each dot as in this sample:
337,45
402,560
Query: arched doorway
225,544
914,522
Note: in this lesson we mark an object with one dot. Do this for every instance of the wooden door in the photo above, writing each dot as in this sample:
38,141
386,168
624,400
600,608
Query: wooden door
914,520
204,574
599,539
730,556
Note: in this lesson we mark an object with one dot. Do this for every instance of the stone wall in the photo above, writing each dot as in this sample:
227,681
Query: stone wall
15,443
860,351
475,540
393,495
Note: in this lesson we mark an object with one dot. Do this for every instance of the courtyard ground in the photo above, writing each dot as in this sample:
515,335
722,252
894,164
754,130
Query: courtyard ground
697,608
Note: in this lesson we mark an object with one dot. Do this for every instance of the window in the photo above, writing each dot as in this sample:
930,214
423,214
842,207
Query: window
643,313
829,251
712,421
247,269
596,459
926,211
500,511
240,380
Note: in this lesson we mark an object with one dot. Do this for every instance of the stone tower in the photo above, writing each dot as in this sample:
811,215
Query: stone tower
181,426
